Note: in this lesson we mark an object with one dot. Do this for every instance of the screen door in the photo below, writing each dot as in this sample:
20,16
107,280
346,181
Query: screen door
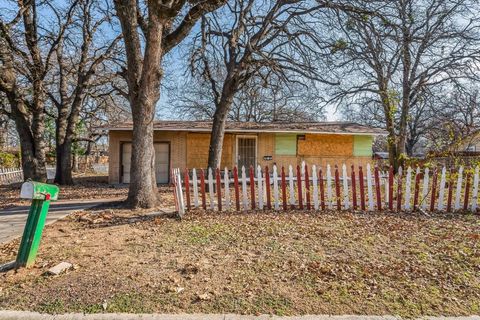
246,152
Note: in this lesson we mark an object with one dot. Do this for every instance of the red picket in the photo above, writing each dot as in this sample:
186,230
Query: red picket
307,187
252,187
434,190
362,188
390,188
377,189
417,190
237,190
284,190
202,189
450,191
399,191
322,189
354,189
299,186
187,188
267,184
219,190
337,188
467,192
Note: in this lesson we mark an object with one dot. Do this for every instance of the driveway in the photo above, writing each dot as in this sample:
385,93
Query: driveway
12,220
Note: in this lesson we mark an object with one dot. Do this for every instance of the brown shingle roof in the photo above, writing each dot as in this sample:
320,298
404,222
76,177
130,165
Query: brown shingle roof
245,127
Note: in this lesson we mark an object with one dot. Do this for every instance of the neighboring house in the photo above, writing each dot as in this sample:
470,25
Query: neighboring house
185,144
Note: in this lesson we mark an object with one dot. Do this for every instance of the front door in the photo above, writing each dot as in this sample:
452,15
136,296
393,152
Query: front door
162,162
246,152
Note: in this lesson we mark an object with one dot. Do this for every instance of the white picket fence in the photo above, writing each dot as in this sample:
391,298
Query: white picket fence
10,175
422,189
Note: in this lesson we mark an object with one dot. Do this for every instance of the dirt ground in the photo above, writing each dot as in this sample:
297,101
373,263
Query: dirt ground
285,264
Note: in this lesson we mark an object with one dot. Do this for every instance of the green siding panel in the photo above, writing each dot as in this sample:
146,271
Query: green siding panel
286,144
362,146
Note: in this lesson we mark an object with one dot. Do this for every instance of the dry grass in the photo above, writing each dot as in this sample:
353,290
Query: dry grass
295,263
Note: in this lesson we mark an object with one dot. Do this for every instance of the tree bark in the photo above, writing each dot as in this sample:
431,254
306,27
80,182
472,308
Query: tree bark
219,123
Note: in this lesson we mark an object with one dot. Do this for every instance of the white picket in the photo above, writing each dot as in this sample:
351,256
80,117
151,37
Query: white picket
426,179
292,191
275,188
369,188
346,203
459,188
244,189
441,193
195,187
226,184
260,187
210,188
315,187
329,188
475,191
408,188
304,184
181,205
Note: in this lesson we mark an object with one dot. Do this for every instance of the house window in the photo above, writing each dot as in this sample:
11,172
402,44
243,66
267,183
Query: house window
286,144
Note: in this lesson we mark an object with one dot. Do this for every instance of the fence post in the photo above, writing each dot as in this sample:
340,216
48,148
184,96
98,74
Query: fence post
377,189
226,184
244,189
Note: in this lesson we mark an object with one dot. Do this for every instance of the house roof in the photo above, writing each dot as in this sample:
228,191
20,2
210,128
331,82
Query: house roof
252,127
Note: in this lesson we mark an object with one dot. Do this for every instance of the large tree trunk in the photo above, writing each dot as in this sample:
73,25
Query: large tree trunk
63,173
218,127
142,191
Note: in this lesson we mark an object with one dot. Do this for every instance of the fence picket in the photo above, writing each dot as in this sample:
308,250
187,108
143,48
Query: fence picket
346,203
434,190
292,192
307,187
260,187
426,179
195,188
417,189
369,188
284,190
226,184
235,185
354,189
390,188
252,188
377,189
181,208
362,188
408,188
475,190
187,188
315,187
441,193
275,188
399,189
459,188
337,188
329,187
322,189
244,189
218,186
202,189
450,191
210,188
467,191
267,187
299,188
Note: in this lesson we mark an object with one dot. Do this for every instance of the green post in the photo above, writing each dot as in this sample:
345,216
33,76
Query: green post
41,195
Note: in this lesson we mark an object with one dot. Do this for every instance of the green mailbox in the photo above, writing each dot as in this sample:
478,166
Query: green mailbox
41,195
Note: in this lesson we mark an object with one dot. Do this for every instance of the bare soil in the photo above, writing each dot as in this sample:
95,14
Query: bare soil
285,264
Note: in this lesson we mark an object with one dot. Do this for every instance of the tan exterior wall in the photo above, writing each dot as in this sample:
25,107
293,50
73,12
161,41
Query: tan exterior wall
178,150
189,149
197,150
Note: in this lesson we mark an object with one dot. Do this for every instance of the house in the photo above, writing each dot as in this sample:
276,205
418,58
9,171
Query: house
185,144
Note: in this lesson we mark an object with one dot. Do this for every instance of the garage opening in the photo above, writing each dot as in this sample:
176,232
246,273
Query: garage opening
162,162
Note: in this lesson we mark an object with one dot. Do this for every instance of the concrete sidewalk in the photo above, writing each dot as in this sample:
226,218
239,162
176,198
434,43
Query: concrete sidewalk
16,315
12,220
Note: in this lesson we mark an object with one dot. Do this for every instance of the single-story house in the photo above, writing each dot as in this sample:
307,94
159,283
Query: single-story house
185,144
